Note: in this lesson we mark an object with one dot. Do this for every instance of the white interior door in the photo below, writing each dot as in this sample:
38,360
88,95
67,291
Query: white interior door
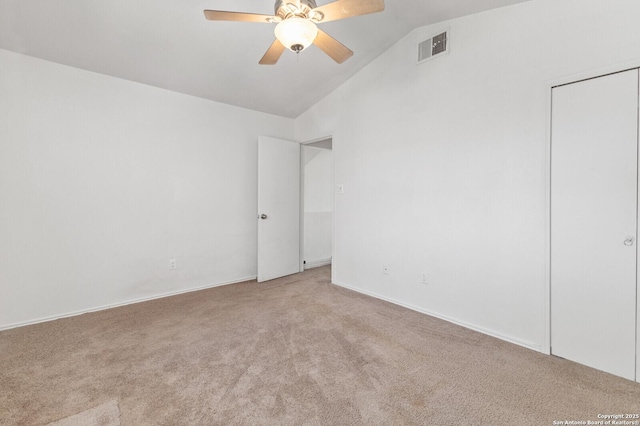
594,178
278,208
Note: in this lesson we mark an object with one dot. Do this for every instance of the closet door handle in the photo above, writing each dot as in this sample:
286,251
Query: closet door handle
628,241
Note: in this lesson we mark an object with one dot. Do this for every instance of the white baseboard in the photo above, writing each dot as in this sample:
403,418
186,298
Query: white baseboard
525,344
317,263
116,305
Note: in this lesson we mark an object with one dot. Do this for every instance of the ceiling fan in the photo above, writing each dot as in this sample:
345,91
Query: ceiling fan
297,29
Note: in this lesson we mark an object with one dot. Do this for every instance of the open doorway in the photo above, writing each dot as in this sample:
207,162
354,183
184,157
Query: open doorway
317,204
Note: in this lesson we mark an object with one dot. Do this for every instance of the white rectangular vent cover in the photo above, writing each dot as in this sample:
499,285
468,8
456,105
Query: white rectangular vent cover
433,47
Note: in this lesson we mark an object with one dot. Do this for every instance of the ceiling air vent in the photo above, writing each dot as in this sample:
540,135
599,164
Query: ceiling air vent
433,47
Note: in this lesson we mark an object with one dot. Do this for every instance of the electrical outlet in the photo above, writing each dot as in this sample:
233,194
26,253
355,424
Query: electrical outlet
385,269
423,279
172,264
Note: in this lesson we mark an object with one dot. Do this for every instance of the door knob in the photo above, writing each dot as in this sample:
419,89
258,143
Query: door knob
264,216
628,241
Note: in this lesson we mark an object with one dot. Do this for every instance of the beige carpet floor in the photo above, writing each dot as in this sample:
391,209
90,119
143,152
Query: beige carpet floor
293,351
107,414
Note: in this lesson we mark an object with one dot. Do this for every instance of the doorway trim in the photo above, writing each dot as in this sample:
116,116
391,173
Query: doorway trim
333,216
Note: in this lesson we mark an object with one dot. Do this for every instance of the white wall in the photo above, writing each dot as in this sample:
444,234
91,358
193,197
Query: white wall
318,205
444,163
102,181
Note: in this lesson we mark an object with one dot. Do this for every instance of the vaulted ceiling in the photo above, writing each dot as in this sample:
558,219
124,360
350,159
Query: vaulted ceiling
169,44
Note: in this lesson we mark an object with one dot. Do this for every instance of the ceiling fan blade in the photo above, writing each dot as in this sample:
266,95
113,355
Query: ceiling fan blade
273,53
346,8
221,15
332,47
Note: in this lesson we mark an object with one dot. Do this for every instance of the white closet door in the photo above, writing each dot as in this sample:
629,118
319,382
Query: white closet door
594,178
278,208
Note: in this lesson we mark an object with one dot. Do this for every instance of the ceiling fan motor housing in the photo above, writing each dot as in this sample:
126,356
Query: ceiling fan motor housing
286,9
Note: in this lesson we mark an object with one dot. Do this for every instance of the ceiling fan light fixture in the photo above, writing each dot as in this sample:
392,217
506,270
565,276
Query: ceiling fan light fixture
296,34
296,25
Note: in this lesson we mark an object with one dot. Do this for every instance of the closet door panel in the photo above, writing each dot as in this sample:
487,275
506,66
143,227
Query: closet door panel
594,178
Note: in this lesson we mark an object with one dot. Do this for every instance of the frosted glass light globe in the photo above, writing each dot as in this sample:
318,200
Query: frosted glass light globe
296,33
